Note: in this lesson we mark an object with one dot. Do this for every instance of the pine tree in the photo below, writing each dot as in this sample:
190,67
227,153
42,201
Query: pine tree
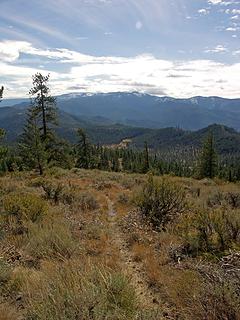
1,92
208,159
146,165
43,104
32,147
60,153
3,149
83,150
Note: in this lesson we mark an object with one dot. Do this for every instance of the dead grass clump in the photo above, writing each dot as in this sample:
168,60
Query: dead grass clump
5,276
218,302
86,201
133,238
182,290
8,185
8,312
102,184
73,291
153,270
139,251
9,287
50,239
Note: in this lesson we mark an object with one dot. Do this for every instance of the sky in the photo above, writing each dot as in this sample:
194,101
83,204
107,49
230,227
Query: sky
178,48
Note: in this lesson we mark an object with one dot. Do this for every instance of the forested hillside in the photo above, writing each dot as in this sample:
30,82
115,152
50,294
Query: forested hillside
103,132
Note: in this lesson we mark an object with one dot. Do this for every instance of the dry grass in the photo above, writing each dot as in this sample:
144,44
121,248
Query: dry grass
139,251
8,312
78,271
76,289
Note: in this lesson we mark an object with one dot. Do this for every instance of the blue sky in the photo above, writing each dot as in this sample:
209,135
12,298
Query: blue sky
179,48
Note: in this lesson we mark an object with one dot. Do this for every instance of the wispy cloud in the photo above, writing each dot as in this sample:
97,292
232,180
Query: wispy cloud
218,49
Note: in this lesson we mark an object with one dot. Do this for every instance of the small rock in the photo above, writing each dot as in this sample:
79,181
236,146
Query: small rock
155,301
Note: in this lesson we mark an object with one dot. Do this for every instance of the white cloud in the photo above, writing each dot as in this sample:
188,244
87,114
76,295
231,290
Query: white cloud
214,1
235,17
231,29
203,11
10,50
222,2
236,11
236,53
218,49
144,73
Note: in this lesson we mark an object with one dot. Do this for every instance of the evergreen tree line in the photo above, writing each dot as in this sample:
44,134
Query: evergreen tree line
39,147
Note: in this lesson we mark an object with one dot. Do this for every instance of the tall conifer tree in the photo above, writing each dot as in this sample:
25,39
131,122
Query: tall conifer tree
146,165
1,93
83,150
44,104
208,159
32,146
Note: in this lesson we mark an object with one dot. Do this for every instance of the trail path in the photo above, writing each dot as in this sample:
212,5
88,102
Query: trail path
133,269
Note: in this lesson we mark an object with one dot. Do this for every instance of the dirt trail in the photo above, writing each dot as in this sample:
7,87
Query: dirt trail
133,269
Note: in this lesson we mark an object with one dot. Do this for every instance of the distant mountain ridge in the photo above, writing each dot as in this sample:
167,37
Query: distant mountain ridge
144,110
103,131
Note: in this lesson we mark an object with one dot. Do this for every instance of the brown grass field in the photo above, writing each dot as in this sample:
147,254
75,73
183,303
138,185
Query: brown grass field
74,245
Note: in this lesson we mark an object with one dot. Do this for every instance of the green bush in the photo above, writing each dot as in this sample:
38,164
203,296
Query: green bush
161,201
5,273
53,189
230,199
123,198
211,231
22,208
216,199
233,199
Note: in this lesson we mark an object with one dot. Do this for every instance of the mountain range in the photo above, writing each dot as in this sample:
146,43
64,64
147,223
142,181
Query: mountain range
144,110
99,115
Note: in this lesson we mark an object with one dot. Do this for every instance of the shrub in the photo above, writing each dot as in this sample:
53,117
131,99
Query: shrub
211,231
160,201
22,208
123,198
86,201
215,200
5,272
56,172
53,189
233,199
5,276
70,195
